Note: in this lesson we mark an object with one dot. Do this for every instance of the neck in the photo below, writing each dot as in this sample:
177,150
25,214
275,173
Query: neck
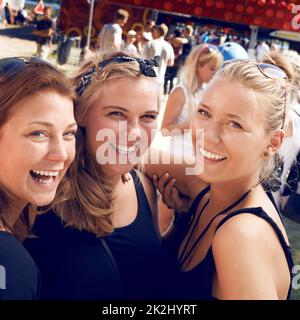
224,194
115,181
200,83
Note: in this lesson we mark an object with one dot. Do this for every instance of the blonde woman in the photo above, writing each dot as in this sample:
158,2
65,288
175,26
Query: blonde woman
231,242
37,145
199,67
101,239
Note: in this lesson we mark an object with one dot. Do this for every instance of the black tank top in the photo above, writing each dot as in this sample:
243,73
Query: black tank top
197,283
128,264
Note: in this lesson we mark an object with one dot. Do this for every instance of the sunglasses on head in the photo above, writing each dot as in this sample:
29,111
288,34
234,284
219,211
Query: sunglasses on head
13,65
268,70
209,48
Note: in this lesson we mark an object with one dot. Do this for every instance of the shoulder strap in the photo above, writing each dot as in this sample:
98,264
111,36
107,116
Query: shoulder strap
198,198
259,212
182,220
141,194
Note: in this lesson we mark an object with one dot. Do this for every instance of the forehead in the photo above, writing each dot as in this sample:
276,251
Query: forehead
224,97
48,104
136,95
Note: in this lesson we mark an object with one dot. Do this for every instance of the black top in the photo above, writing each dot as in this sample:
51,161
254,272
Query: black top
44,24
19,276
128,264
197,283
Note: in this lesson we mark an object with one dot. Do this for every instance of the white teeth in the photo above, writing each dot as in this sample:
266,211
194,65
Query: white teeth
125,150
46,173
49,181
210,155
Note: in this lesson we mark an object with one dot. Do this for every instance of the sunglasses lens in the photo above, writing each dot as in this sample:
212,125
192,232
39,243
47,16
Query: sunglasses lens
271,71
12,65
9,65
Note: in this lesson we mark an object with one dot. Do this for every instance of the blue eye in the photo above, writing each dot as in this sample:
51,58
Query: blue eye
235,125
203,112
38,134
150,116
71,133
116,113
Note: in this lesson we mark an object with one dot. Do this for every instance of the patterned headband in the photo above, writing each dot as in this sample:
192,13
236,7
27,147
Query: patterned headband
146,68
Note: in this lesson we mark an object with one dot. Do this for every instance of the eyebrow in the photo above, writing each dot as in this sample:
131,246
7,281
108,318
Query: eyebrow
126,110
231,115
48,124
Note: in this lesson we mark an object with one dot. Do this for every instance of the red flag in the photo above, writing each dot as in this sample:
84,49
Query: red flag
39,9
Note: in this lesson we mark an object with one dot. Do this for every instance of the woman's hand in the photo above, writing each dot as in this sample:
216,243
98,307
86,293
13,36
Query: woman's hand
170,194
126,177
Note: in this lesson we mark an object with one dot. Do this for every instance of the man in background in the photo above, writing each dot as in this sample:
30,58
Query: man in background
44,30
110,36
160,47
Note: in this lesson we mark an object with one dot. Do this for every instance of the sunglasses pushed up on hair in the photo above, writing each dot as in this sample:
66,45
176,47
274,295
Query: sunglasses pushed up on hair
14,65
208,48
268,70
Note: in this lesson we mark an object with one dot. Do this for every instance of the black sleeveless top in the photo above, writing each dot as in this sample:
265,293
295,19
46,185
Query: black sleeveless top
197,283
128,264
19,276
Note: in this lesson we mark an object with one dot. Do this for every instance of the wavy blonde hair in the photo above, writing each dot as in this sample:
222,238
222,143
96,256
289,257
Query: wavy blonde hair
188,72
86,200
273,96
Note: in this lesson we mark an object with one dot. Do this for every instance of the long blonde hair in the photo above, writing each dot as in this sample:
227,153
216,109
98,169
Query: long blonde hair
86,199
188,73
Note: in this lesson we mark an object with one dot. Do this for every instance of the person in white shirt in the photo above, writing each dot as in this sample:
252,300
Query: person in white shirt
110,36
160,47
129,46
261,50
2,13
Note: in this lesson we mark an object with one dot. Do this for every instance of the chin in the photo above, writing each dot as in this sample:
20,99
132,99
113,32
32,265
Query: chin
119,169
42,200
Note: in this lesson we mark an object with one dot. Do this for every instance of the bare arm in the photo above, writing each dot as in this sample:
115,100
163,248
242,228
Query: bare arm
171,61
174,107
158,162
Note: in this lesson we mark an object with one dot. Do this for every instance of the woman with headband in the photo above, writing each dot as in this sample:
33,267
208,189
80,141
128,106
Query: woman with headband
229,241
37,145
101,240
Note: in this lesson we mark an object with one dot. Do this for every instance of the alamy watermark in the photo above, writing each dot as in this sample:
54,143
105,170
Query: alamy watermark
131,146
296,277
296,18
2,278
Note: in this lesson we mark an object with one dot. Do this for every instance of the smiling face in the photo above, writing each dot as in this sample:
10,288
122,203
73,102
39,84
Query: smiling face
37,144
122,119
234,133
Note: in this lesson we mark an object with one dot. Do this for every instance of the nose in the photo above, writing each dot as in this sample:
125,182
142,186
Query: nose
134,132
58,151
212,133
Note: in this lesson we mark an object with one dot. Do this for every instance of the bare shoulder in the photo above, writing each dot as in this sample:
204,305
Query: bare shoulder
245,230
177,93
249,260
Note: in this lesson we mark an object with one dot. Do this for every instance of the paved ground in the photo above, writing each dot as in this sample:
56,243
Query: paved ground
20,42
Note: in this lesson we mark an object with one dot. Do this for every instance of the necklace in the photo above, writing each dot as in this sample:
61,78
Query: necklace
183,257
